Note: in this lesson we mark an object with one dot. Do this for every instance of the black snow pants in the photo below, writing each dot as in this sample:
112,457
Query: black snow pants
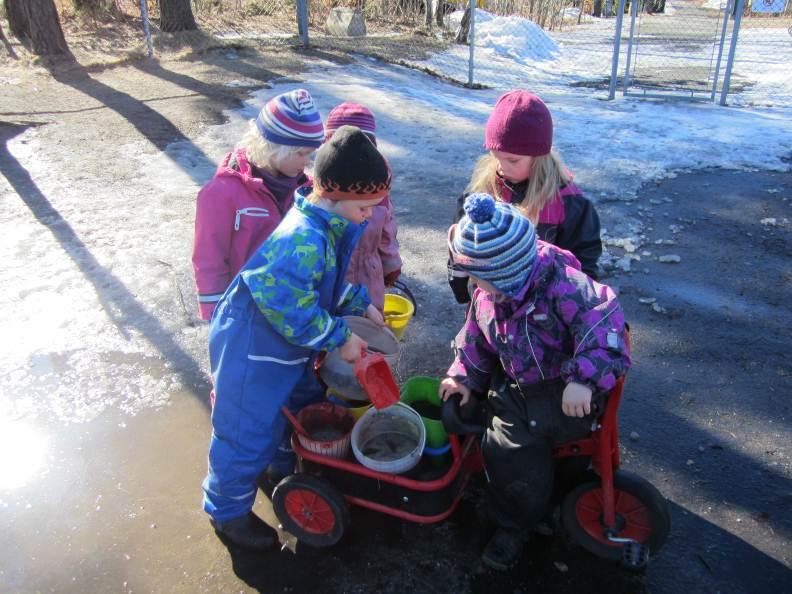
525,422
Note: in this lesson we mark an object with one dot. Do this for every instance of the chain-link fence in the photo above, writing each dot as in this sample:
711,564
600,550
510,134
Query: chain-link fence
679,53
669,48
695,49
763,56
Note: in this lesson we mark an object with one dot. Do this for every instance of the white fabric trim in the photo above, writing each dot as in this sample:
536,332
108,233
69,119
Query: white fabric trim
347,289
323,334
238,498
210,298
245,496
276,360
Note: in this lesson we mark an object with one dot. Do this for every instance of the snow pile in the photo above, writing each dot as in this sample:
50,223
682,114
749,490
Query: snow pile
511,36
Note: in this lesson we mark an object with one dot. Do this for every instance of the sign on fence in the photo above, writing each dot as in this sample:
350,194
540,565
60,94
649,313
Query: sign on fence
768,5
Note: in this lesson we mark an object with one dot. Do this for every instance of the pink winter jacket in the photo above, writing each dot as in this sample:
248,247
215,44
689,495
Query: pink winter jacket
235,213
376,254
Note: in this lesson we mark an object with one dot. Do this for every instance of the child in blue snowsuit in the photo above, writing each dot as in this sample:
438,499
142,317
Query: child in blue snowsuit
281,310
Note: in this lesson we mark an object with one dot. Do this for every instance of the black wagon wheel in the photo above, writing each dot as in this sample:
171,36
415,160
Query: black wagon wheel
311,509
642,516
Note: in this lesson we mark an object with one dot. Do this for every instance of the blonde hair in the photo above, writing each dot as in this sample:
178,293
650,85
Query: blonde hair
265,154
548,174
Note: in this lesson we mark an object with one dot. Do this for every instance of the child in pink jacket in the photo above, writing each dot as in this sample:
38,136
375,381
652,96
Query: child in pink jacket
251,192
375,262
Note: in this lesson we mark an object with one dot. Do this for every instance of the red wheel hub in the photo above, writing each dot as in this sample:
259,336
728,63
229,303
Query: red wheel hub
632,516
310,511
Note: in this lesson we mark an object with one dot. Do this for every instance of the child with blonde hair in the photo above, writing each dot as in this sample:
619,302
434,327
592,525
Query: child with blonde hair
284,307
522,169
251,191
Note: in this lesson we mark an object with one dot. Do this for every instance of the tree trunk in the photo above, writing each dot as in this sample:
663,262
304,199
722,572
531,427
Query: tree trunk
176,15
597,12
17,19
440,13
37,26
464,27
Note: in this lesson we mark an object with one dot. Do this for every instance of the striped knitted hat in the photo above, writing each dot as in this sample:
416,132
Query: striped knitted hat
494,242
351,114
291,119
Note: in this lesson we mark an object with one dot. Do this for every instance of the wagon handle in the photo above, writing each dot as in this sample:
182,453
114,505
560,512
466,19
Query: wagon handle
400,286
295,423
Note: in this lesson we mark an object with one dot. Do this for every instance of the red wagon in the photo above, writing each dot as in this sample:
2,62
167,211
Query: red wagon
612,513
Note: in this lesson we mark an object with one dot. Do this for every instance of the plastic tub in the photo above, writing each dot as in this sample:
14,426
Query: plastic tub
421,393
340,375
390,439
398,313
329,427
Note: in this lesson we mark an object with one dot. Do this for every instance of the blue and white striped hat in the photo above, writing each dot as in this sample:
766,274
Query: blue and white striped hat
494,242
291,119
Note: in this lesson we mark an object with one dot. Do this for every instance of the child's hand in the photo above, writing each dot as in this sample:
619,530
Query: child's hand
373,314
351,349
576,401
450,386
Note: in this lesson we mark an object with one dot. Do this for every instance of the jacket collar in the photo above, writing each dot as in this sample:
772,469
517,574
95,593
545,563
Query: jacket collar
336,224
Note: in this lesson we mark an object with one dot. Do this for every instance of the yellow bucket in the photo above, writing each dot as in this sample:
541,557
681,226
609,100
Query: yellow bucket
355,407
398,312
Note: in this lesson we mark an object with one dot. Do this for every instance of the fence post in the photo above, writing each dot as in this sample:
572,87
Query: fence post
732,51
633,16
471,41
616,50
302,20
726,12
146,31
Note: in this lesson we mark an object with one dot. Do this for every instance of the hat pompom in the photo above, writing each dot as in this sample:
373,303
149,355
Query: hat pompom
479,207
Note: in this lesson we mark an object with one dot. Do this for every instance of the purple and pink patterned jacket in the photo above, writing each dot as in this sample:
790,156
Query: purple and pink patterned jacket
562,324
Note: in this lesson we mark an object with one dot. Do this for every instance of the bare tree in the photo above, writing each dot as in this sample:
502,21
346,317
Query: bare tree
176,15
428,6
36,24
17,19
464,28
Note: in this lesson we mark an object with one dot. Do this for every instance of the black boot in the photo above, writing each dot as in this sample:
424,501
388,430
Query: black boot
268,480
503,550
247,531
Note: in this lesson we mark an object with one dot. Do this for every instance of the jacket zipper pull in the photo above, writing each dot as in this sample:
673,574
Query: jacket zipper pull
236,220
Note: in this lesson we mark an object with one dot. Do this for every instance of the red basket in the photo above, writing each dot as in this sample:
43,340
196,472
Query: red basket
329,427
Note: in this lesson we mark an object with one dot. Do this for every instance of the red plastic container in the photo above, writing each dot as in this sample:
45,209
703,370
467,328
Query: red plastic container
376,378
328,429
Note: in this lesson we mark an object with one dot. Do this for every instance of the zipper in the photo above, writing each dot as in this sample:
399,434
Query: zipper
253,211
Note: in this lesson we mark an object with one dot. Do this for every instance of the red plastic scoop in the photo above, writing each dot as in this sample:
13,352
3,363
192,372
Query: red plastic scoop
376,379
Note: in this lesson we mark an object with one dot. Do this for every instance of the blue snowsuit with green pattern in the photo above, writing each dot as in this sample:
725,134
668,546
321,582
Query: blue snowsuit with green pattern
282,308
